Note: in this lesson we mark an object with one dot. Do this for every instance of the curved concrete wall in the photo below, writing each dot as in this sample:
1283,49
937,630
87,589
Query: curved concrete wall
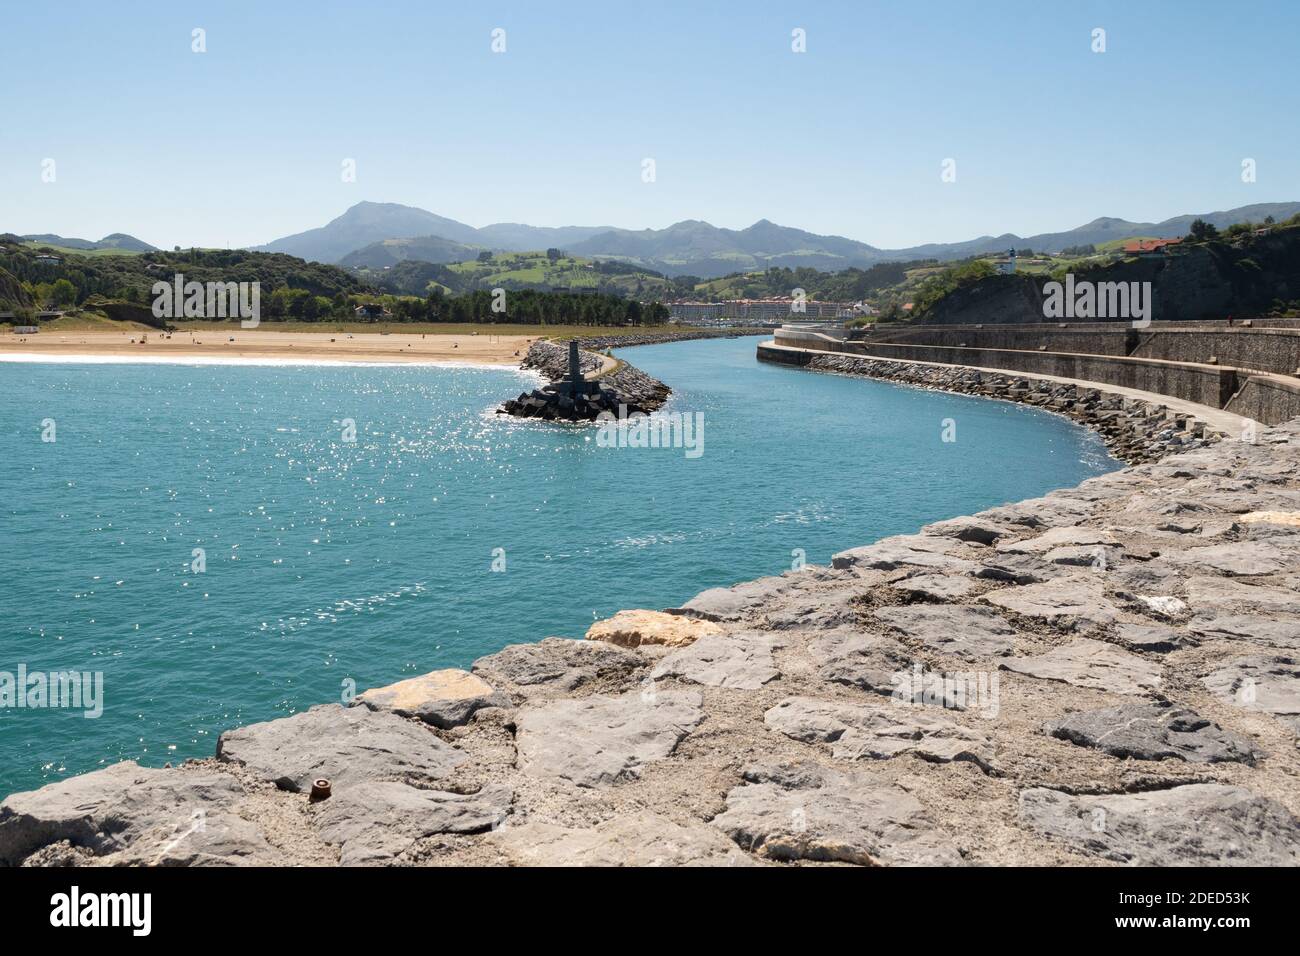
1264,350
1210,385
1268,398
1274,350
803,339
1101,341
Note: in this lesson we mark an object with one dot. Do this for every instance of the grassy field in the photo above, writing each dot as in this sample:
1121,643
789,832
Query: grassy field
535,269
85,322
65,251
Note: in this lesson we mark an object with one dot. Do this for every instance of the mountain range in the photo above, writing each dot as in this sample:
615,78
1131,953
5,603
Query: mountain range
116,240
378,235
372,222
381,234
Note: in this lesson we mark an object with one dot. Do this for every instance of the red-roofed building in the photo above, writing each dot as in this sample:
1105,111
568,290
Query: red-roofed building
1149,247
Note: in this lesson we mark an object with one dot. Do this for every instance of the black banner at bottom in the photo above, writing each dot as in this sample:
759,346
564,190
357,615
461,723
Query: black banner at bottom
334,906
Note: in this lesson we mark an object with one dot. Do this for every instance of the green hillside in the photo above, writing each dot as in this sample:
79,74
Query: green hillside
521,270
845,285
115,243
1246,270
71,251
289,285
90,288
389,252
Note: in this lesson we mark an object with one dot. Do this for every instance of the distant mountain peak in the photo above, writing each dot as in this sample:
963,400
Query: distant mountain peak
694,246
367,222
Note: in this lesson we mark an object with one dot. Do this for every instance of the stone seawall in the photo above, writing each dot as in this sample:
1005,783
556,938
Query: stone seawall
1209,385
1109,674
1095,341
1262,349
1261,396
1267,398
1255,348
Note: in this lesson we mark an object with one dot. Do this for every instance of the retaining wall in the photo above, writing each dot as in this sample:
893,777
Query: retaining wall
1264,350
1267,398
1101,341
1271,399
1211,385
1261,349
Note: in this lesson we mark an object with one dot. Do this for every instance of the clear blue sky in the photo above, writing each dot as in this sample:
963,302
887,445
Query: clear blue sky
244,143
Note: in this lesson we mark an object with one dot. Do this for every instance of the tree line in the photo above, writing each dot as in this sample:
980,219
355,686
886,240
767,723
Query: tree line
495,307
529,307
130,278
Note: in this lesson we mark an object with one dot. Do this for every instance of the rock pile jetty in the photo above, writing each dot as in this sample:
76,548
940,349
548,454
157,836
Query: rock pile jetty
1135,430
604,385
1108,674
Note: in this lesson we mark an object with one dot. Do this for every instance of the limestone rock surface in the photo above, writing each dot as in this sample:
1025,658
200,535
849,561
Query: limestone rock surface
597,741
637,627
1192,825
344,745
445,698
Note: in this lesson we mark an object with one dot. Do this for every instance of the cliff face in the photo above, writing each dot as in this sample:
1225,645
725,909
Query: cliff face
1192,283
996,299
12,295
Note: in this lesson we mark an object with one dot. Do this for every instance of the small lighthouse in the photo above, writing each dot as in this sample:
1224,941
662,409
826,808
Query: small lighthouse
577,384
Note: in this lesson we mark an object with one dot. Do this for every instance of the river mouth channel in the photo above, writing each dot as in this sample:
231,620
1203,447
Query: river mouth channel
442,533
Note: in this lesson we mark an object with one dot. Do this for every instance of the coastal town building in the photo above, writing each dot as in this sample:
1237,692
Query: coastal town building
371,312
696,313
1146,248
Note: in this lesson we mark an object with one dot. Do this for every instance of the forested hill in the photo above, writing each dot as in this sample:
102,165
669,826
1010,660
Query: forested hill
551,270
555,270
130,278
846,285
291,289
1244,272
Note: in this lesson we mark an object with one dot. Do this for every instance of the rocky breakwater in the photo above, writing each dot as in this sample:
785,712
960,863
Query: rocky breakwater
1109,674
1135,430
608,386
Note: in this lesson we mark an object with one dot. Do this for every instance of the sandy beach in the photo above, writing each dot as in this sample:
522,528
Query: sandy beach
240,344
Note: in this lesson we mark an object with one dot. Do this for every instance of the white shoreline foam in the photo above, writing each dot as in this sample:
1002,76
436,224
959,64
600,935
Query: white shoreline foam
82,359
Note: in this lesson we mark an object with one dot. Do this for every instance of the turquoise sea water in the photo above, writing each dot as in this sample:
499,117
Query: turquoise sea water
329,561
